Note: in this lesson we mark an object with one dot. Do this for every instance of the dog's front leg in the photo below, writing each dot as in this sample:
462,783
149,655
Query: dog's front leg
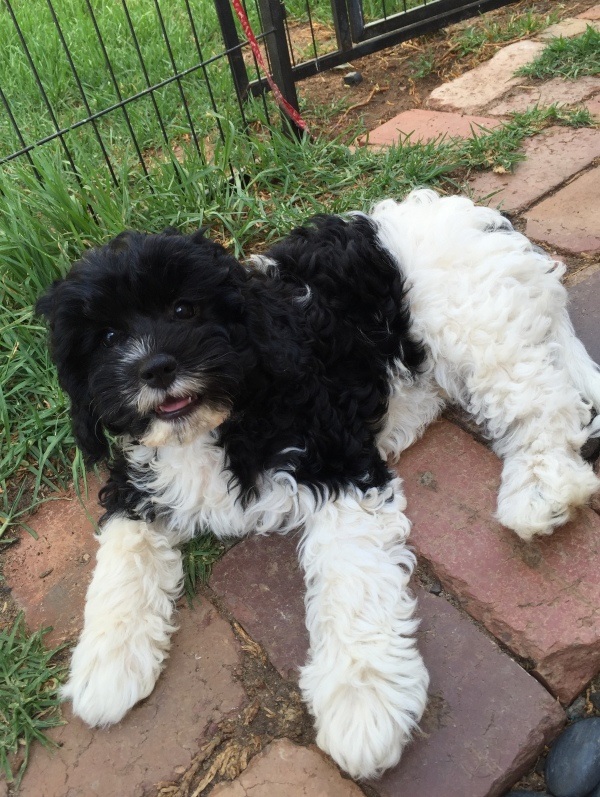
365,681
127,623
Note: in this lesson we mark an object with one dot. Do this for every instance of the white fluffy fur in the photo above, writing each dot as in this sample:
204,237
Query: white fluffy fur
128,621
365,681
492,314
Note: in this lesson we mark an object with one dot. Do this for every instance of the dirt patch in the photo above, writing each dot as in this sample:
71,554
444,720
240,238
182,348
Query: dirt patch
394,79
275,711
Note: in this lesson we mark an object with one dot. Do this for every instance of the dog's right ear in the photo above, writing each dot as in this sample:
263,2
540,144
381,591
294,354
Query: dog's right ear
64,341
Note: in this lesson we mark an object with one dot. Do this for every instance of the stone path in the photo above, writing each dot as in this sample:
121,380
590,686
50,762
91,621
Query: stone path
510,632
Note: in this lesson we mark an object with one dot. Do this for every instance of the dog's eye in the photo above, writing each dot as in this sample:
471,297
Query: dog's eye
183,310
110,338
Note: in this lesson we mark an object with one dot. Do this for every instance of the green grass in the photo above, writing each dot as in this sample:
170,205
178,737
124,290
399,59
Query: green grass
30,111
567,58
29,680
198,556
474,38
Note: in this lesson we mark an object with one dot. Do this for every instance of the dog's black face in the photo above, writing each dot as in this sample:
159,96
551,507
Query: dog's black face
147,334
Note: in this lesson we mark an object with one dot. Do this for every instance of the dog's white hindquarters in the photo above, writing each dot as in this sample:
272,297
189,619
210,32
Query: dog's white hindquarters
257,398
492,313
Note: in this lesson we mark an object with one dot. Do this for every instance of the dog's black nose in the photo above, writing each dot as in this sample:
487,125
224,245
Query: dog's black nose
159,370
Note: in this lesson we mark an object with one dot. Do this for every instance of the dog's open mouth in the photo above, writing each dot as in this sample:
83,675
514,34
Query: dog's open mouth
176,407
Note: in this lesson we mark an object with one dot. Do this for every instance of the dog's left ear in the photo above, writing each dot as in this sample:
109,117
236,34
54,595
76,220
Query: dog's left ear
64,339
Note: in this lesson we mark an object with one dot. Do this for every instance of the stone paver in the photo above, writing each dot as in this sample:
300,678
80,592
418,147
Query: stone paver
551,92
158,739
593,106
487,717
422,125
284,769
275,614
567,29
49,575
487,82
584,308
590,13
569,220
550,158
542,599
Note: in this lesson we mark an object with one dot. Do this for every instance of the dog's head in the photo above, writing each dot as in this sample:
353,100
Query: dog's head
146,333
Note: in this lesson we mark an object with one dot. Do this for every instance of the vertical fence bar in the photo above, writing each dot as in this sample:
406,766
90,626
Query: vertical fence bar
179,84
234,54
17,130
115,83
205,71
272,13
159,118
42,90
341,23
82,92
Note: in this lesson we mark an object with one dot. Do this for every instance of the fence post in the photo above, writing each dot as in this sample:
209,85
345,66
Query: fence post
272,14
233,47
341,23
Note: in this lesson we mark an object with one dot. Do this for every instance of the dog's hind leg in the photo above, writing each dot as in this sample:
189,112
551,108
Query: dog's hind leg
413,403
537,420
127,623
365,681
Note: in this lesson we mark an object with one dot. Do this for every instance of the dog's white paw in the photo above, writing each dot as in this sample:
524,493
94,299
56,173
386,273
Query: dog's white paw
365,723
539,494
109,676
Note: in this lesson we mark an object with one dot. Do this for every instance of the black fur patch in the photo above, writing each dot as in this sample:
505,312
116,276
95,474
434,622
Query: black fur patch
300,354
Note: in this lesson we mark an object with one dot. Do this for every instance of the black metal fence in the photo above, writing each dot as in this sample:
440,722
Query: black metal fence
108,81
141,81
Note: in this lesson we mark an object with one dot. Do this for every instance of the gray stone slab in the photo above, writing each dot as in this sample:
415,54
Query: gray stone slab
584,308
487,718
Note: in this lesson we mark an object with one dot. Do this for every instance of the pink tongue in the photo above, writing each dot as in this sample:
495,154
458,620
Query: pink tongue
174,404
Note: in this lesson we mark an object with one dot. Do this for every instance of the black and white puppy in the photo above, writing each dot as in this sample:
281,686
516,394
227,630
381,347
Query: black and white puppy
267,396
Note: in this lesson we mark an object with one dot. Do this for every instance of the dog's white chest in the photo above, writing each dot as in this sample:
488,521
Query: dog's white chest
199,493
192,482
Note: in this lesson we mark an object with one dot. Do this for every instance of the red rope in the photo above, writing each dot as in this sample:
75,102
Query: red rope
279,98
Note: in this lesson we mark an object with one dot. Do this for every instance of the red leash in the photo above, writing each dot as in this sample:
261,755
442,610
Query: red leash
279,98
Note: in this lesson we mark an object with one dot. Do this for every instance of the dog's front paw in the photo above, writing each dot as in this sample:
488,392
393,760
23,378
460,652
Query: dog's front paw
108,677
365,722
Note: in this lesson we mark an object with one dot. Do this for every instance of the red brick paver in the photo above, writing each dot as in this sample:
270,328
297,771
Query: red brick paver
569,220
590,13
550,159
158,738
487,82
567,29
284,769
542,599
552,92
49,575
421,125
487,718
